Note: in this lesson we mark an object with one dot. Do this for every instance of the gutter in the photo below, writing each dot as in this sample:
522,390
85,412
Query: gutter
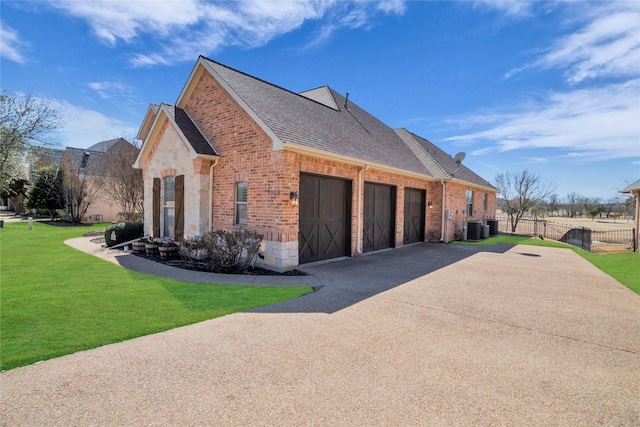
444,212
320,154
359,221
213,165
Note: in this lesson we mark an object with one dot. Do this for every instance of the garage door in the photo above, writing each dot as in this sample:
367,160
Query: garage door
414,205
379,216
325,218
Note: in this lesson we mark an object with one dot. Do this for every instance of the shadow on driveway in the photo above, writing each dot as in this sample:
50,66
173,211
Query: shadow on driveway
347,282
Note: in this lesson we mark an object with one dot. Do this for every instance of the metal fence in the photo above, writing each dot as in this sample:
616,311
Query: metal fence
612,240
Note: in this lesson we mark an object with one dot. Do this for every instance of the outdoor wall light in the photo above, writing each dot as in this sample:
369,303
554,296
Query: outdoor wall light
294,198
430,204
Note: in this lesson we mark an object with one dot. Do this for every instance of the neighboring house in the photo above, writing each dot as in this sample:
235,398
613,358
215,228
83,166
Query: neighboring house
634,190
44,157
315,174
84,165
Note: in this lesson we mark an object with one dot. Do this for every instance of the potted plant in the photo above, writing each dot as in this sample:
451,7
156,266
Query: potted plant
167,248
151,245
138,246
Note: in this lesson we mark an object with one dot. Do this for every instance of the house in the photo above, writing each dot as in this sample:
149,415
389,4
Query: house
83,169
44,156
634,190
314,173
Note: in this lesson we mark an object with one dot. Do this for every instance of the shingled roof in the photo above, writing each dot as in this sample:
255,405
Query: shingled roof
198,142
633,187
106,145
447,164
84,161
343,128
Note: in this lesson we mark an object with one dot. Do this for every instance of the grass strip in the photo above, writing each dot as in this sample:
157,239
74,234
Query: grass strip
56,300
622,266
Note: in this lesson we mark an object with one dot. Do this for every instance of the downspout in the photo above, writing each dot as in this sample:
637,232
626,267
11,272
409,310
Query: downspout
213,165
360,197
444,212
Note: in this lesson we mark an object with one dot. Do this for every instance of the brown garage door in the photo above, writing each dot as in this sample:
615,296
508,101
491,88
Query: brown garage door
414,205
379,216
325,218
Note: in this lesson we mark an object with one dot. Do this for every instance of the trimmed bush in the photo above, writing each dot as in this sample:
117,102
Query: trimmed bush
122,232
222,251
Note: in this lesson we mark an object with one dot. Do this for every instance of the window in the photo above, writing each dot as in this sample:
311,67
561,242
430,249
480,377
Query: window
241,203
469,209
169,206
484,202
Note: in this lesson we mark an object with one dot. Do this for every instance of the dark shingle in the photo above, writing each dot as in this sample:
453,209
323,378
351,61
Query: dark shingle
85,162
350,132
190,130
449,165
105,145
323,119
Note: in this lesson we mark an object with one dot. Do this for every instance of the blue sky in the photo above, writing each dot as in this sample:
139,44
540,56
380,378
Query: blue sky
551,87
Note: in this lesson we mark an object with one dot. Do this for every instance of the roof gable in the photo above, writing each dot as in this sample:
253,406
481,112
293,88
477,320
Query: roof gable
324,123
106,145
149,118
194,140
45,156
299,120
322,95
190,131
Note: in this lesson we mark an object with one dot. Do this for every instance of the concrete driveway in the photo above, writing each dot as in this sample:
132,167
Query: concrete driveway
525,336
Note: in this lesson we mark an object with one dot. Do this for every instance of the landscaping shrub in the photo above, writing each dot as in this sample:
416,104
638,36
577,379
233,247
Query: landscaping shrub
123,232
130,216
222,251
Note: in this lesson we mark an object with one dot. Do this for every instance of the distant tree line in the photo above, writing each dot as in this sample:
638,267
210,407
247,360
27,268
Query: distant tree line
526,194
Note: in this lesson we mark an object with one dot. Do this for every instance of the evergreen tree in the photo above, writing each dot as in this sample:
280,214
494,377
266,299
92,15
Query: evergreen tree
46,191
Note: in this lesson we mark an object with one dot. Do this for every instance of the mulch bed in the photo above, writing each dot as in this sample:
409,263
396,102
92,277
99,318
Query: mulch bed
179,263
98,238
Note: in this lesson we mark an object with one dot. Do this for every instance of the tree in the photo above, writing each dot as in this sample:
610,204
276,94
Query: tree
81,184
554,203
630,207
15,191
593,207
120,181
46,190
612,205
24,123
521,191
573,203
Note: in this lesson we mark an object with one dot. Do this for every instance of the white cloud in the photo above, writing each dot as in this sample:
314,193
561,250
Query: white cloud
191,27
113,20
608,46
84,127
107,89
10,44
590,124
392,6
510,7
598,122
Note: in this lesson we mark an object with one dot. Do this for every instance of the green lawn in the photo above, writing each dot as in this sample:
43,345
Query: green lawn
622,266
56,300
